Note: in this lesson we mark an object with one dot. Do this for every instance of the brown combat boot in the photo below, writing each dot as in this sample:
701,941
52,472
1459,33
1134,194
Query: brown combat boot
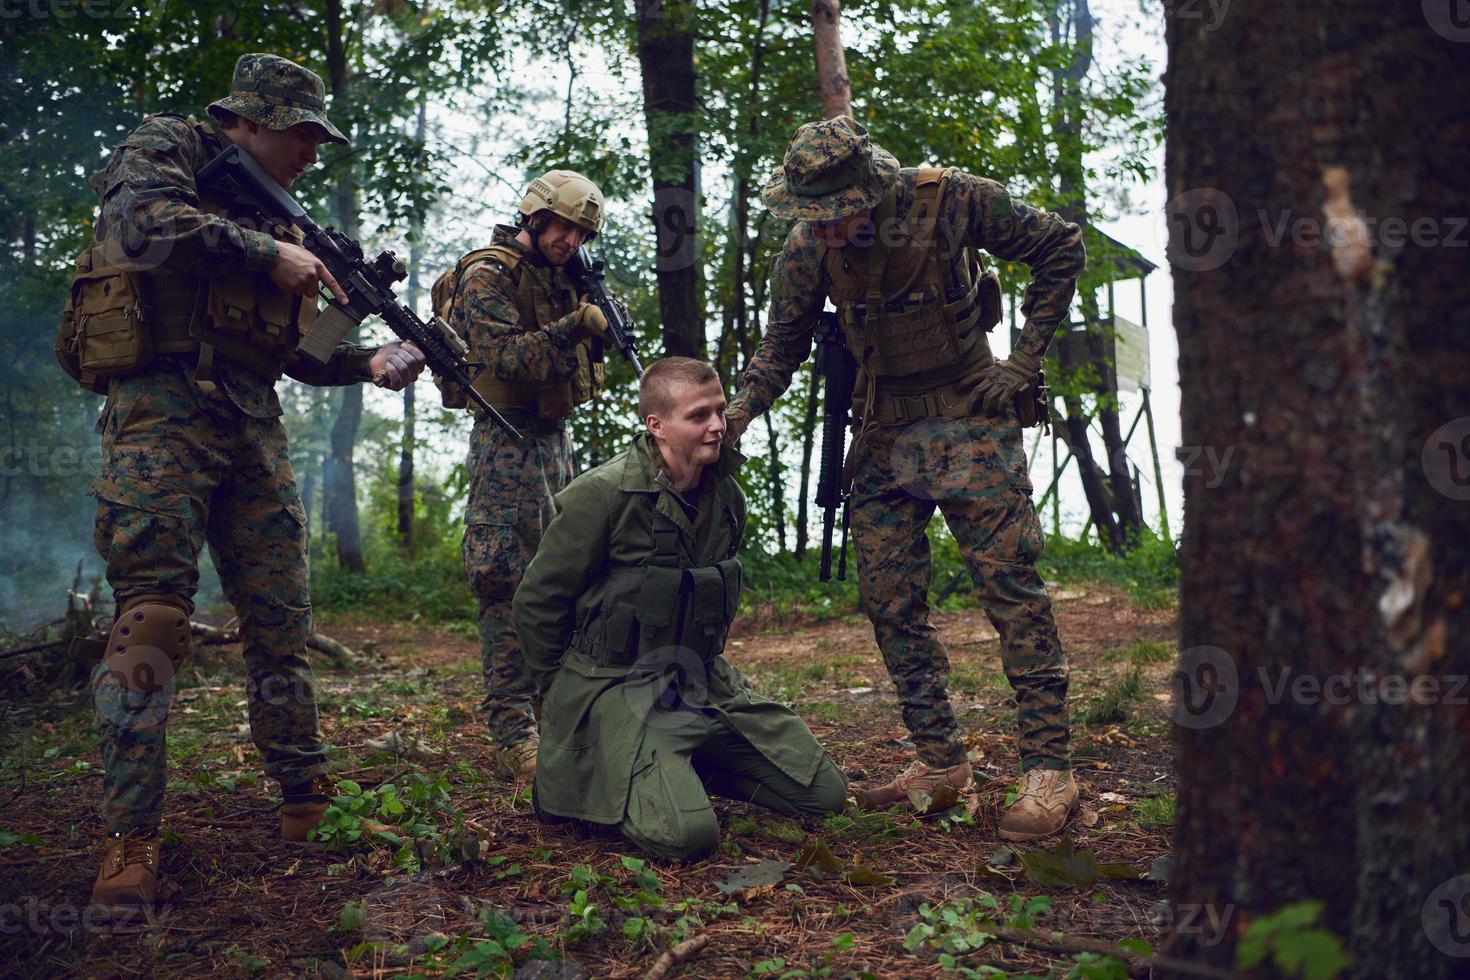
304,806
924,787
126,888
1047,797
519,760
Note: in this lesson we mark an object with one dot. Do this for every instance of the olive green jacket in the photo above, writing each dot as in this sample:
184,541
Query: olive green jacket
592,717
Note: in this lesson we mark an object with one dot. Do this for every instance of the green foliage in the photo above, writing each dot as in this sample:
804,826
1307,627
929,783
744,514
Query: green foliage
1157,811
1149,572
1110,706
1290,939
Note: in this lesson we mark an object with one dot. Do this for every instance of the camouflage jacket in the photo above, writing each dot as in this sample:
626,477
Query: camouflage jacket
975,211
487,314
151,208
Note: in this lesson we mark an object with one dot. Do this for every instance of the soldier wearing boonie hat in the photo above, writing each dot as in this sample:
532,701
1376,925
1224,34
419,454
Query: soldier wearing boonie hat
277,93
897,252
185,313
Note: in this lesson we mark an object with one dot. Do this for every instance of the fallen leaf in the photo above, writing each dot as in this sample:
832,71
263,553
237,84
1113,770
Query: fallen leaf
816,855
862,875
1113,798
750,881
940,800
1064,867
1161,869
1087,817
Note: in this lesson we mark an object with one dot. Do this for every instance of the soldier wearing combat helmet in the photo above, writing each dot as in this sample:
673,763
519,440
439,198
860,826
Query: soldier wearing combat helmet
185,315
897,251
542,346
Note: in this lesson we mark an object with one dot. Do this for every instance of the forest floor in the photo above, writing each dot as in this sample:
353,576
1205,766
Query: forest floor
488,889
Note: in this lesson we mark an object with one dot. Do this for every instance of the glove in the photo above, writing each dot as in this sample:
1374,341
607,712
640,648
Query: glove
590,321
736,422
1004,380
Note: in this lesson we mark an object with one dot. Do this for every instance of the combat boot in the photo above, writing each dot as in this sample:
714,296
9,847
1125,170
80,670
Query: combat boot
922,786
1047,797
126,888
304,806
519,760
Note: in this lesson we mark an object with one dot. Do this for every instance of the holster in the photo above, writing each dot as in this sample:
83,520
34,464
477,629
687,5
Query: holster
1033,404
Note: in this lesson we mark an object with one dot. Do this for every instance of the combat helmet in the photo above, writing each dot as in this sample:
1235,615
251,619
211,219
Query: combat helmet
568,194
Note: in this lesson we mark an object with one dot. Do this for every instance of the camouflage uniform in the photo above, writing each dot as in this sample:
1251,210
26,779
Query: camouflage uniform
190,460
938,452
518,313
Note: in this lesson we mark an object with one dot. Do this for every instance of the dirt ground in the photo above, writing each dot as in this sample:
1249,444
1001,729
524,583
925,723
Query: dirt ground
489,890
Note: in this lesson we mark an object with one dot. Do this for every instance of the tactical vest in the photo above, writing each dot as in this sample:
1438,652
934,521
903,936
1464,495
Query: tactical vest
117,320
650,611
915,305
542,297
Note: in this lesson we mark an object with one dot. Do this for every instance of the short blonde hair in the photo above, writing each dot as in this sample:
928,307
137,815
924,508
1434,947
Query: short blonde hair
656,390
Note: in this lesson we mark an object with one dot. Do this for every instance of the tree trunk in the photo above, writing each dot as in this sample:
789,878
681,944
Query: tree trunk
1071,23
670,111
1322,730
831,62
778,486
415,291
341,476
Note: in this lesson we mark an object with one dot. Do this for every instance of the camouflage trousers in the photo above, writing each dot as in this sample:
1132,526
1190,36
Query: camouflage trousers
174,477
511,486
974,471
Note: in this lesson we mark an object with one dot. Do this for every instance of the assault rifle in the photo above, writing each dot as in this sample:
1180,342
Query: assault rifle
236,175
587,275
835,364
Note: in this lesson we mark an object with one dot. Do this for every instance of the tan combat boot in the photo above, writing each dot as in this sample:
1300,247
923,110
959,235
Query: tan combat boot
1047,797
519,760
303,809
922,786
126,888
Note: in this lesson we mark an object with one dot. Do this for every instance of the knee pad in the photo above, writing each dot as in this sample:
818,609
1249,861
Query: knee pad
149,642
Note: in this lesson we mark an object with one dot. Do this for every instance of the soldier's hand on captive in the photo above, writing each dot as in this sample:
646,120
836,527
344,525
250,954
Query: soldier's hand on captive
592,322
736,422
297,271
395,366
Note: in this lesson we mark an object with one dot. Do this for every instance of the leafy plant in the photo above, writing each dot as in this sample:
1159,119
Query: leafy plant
1295,946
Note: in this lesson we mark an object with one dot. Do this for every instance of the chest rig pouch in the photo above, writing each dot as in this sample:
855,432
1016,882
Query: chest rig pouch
117,319
915,304
542,297
661,608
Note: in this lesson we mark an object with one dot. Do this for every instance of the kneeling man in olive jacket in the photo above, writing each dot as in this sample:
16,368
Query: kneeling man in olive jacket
623,615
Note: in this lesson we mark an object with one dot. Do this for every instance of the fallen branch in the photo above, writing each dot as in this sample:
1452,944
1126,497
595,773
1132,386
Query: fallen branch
673,957
33,648
337,654
1058,943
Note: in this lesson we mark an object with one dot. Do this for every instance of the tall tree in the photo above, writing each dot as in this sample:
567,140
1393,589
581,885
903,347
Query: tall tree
1109,493
831,63
1322,737
670,110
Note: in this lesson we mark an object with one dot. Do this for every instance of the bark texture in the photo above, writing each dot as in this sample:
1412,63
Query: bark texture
1323,727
